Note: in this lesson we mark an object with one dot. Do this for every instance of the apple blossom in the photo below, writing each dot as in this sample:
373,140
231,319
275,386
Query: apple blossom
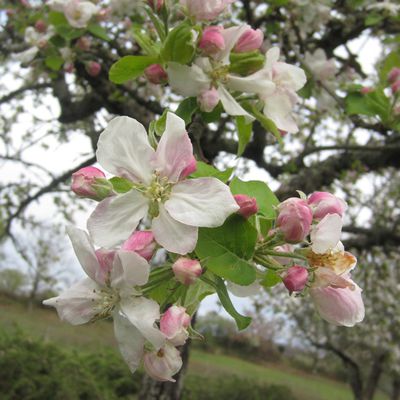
294,219
212,41
174,323
156,74
141,242
325,235
90,182
323,203
110,289
251,40
186,270
248,205
176,206
295,278
324,69
205,10
79,13
163,364
40,26
93,68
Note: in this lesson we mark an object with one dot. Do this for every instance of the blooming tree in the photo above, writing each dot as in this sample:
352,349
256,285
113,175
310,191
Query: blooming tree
216,84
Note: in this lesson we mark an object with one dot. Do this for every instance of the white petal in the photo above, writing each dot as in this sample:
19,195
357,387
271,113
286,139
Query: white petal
231,106
84,251
231,36
205,202
272,56
143,313
289,76
77,305
260,83
187,81
130,341
129,269
174,151
124,150
173,235
325,235
26,56
115,218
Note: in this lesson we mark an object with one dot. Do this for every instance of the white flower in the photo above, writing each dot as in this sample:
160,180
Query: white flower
111,290
325,236
79,13
323,68
276,83
177,207
392,8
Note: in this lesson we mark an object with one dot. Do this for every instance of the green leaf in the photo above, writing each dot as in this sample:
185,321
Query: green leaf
244,133
228,249
121,185
160,123
54,62
373,19
242,322
206,170
391,61
158,24
266,199
58,41
246,63
186,109
144,41
98,31
179,45
69,33
265,224
270,279
57,18
370,104
130,67
195,294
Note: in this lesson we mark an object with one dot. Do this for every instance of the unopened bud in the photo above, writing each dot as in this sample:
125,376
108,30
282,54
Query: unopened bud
156,74
208,100
212,40
93,68
296,278
84,43
40,26
366,90
174,324
248,205
395,87
251,40
294,219
90,182
104,14
142,243
163,364
155,4
187,270
324,203
394,75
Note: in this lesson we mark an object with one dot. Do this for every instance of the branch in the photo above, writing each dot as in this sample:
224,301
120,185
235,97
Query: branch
23,89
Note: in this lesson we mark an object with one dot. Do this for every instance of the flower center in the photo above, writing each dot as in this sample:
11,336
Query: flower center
109,298
158,192
219,74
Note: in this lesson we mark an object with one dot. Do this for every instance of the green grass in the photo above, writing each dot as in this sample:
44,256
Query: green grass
45,324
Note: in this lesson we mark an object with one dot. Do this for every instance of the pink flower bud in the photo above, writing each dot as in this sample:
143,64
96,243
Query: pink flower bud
163,364
186,270
339,306
296,278
251,40
208,100
324,203
189,169
248,205
212,40
394,75
93,68
205,10
69,67
84,43
25,3
90,182
155,4
106,261
366,90
40,26
156,74
395,87
173,325
104,14
294,219
142,243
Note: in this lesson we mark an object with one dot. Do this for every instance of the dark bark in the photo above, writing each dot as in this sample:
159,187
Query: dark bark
395,395
374,376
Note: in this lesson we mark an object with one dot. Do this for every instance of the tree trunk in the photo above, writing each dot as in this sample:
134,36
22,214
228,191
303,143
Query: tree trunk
153,390
374,376
395,395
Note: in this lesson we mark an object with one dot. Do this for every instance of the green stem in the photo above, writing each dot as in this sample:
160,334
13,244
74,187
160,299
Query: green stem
282,254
